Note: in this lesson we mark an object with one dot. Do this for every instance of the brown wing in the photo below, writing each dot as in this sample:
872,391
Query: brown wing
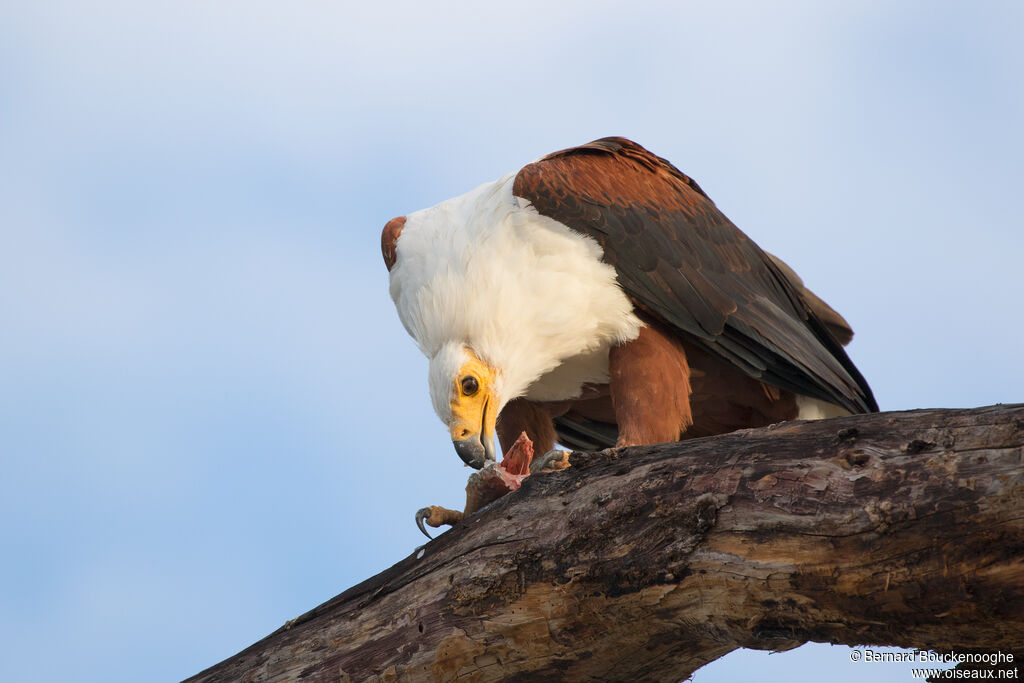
681,260
835,323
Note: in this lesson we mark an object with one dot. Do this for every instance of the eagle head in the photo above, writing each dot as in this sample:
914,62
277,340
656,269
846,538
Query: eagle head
466,393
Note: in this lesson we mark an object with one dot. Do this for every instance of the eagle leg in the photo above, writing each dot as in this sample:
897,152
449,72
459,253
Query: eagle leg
649,382
435,516
521,415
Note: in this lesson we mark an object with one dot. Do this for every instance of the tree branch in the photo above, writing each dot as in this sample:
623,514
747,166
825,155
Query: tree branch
899,529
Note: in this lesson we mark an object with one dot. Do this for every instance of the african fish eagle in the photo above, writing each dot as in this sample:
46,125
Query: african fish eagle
598,297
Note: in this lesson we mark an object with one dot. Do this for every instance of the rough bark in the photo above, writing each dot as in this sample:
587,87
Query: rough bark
646,563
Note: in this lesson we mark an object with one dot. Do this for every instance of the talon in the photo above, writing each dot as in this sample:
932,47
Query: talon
435,516
421,515
553,460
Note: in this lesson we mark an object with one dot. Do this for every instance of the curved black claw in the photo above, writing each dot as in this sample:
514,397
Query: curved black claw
421,515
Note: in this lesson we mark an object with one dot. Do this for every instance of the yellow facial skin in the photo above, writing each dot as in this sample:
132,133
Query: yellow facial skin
474,408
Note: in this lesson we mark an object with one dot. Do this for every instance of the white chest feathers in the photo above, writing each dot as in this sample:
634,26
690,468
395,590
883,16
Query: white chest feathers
529,295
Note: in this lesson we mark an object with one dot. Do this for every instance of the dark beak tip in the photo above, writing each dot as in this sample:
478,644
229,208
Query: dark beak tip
475,464
471,451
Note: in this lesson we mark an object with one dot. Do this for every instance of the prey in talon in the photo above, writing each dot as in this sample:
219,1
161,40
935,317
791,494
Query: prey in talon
484,486
597,297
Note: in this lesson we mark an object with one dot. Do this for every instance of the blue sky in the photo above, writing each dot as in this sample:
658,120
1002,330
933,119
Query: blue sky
210,417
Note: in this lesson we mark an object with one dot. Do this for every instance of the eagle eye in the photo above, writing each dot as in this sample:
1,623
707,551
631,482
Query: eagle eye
470,385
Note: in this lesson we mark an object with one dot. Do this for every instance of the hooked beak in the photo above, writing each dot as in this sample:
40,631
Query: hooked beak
473,452
476,446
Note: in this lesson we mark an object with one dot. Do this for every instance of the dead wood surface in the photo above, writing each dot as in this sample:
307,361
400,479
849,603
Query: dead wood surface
903,528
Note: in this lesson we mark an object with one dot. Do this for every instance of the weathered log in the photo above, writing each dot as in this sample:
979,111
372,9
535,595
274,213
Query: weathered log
901,529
